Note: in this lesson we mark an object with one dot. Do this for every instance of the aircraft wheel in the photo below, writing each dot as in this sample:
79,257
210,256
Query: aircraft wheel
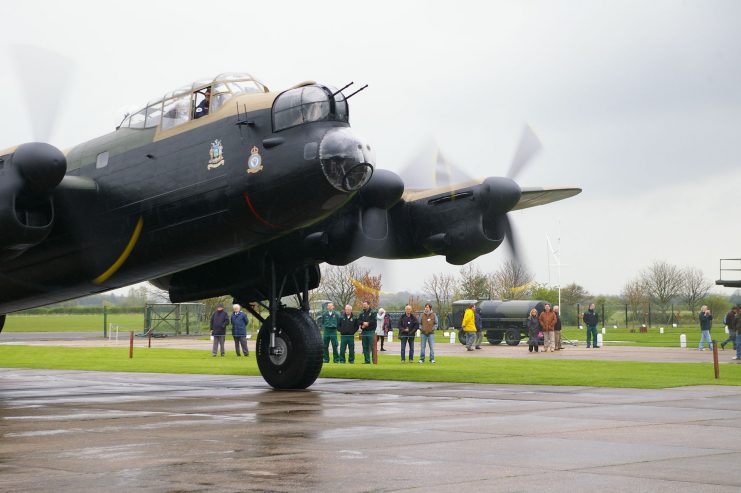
512,337
297,359
462,337
494,337
2,322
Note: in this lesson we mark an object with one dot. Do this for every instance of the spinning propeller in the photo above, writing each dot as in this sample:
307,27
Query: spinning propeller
445,173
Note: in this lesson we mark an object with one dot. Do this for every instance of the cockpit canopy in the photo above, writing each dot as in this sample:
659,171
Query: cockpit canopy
193,101
309,103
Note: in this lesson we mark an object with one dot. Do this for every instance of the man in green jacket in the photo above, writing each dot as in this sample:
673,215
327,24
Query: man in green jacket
329,324
367,323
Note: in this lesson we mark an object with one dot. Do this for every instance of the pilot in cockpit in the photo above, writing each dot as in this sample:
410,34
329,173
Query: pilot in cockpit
203,106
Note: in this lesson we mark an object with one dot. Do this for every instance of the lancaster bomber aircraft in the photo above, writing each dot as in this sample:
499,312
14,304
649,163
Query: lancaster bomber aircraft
224,187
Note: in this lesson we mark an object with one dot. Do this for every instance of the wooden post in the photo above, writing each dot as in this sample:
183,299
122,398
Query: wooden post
150,339
375,349
131,344
715,360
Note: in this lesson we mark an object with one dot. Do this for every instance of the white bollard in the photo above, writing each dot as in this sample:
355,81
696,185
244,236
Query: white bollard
445,334
581,327
674,325
726,329
599,340
682,340
390,336
604,331
452,337
418,332
661,330
614,326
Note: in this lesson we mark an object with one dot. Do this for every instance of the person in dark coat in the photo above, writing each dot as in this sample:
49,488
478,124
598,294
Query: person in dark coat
731,331
533,329
367,324
591,319
203,106
219,321
239,330
479,327
408,325
347,326
557,327
737,327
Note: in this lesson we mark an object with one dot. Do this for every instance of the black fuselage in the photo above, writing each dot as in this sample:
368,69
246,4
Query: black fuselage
190,213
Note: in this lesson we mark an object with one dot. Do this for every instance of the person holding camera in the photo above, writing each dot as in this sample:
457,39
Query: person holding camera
706,321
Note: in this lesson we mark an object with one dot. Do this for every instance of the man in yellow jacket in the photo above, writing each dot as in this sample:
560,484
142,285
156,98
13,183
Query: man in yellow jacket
469,326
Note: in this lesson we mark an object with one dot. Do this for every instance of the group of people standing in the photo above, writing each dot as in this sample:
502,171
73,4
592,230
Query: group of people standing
547,323
376,326
238,321
348,324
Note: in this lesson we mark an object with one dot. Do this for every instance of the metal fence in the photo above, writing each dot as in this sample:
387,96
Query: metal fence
626,316
175,319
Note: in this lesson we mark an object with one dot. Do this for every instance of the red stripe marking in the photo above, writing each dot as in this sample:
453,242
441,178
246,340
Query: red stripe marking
254,212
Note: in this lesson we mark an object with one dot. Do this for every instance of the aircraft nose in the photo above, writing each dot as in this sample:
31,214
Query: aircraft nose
347,160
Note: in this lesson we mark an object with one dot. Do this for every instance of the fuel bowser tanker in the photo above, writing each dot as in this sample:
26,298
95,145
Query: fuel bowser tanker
502,320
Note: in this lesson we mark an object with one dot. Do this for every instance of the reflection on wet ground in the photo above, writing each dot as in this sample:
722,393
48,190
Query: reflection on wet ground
97,431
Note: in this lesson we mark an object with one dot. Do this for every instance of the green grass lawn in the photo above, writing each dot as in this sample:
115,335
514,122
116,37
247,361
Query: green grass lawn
670,337
70,323
534,370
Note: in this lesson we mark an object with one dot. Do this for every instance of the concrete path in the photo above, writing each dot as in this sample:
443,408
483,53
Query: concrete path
96,431
611,353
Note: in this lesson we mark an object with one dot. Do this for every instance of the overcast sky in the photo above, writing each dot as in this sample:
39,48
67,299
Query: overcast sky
638,103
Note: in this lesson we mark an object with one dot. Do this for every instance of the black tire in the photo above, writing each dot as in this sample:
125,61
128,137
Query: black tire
2,322
300,362
462,336
494,337
512,337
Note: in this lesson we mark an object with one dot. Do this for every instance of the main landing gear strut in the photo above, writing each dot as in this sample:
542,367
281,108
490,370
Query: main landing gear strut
289,346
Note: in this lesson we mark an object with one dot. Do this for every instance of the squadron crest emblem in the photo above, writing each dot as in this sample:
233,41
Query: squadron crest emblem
216,153
254,163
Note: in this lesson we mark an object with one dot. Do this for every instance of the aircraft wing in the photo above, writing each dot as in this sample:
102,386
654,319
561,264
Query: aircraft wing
534,196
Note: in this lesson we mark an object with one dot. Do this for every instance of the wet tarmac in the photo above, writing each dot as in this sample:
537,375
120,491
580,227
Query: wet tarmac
98,431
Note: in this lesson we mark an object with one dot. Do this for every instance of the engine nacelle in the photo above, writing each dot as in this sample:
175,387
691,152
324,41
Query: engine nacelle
27,179
466,240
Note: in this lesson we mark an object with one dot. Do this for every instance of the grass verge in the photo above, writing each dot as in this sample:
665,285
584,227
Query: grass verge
530,371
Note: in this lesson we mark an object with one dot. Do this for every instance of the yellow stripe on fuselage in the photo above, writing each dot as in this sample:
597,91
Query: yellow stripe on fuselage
124,255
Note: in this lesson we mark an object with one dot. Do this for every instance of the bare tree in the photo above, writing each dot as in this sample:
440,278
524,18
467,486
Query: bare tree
511,281
155,294
695,287
663,282
440,287
472,283
635,295
337,282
